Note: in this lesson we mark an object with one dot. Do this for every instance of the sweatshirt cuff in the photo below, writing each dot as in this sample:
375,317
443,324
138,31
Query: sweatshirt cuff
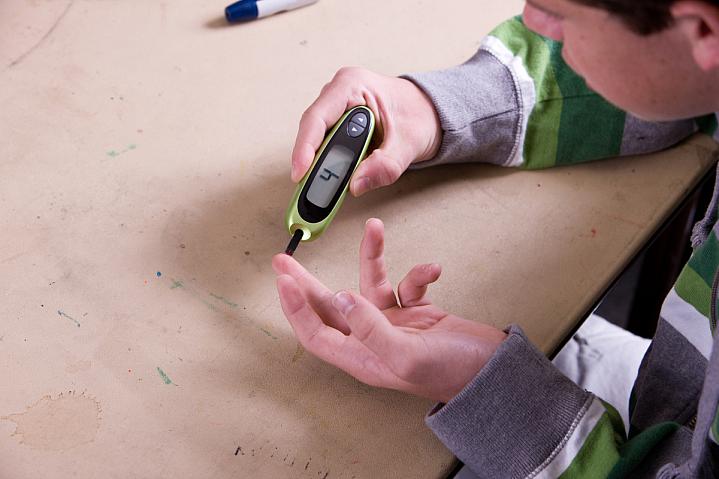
514,416
478,105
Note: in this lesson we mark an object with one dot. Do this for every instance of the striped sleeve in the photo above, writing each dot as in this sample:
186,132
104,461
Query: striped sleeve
687,309
516,103
520,417
691,296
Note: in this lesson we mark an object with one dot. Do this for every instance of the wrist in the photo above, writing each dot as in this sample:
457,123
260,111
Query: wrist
431,128
486,348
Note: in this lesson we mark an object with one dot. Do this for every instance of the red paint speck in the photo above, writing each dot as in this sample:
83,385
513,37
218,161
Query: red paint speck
145,281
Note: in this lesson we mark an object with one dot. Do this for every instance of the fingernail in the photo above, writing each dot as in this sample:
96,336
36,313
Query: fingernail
343,302
362,186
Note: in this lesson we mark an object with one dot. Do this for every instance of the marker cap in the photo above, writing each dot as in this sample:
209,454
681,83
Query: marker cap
242,10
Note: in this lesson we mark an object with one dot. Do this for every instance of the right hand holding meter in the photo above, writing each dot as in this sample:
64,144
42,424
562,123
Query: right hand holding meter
407,124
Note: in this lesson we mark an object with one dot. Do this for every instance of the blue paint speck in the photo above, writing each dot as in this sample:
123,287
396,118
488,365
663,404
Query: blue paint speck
159,274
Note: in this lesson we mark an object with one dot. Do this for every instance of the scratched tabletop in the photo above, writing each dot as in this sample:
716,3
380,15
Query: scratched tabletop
144,175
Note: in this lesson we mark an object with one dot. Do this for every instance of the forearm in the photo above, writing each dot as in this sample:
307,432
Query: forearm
516,103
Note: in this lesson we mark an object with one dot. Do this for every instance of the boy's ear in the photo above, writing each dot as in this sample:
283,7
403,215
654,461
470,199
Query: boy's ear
699,21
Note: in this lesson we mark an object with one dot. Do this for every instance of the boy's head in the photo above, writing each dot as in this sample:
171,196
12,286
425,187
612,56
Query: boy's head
658,59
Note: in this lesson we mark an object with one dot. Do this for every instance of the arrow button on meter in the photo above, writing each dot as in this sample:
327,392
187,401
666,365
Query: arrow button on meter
360,118
354,130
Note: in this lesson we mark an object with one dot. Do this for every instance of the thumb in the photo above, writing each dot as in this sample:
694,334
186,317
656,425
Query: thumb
383,167
368,324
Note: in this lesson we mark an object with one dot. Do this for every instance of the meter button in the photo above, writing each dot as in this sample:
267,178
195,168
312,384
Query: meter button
360,118
354,130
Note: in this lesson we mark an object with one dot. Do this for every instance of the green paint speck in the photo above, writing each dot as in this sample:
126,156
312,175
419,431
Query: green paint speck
224,300
64,315
177,284
114,153
164,376
268,333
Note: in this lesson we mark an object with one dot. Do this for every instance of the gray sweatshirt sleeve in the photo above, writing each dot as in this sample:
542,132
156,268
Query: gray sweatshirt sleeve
515,416
516,103
479,110
521,417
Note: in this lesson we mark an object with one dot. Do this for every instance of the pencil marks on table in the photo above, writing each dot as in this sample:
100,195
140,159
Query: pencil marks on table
224,300
303,465
216,303
42,40
62,314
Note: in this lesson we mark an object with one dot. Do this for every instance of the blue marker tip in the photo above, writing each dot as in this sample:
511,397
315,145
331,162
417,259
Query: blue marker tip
242,10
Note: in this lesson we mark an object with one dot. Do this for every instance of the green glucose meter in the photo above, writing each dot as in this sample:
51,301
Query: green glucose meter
319,195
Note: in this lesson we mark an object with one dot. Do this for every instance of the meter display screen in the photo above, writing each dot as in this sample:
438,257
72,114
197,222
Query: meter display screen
328,180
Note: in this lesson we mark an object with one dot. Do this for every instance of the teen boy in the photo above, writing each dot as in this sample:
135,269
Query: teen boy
527,98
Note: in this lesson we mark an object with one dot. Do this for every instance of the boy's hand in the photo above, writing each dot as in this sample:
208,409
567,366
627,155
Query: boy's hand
409,345
406,122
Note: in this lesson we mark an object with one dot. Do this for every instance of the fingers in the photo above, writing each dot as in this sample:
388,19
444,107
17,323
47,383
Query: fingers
351,87
318,338
406,122
297,310
412,289
302,154
386,164
371,327
319,297
328,344
374,284
315,122
381,168
335,98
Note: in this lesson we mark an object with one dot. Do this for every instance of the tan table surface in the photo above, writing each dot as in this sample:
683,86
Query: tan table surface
144,174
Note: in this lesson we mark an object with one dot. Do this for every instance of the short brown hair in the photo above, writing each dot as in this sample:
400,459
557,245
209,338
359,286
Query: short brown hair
642,16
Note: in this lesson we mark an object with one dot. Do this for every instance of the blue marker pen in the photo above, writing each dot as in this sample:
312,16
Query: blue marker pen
251,9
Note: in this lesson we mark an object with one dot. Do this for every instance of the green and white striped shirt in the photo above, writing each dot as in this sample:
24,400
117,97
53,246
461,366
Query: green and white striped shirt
516,103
